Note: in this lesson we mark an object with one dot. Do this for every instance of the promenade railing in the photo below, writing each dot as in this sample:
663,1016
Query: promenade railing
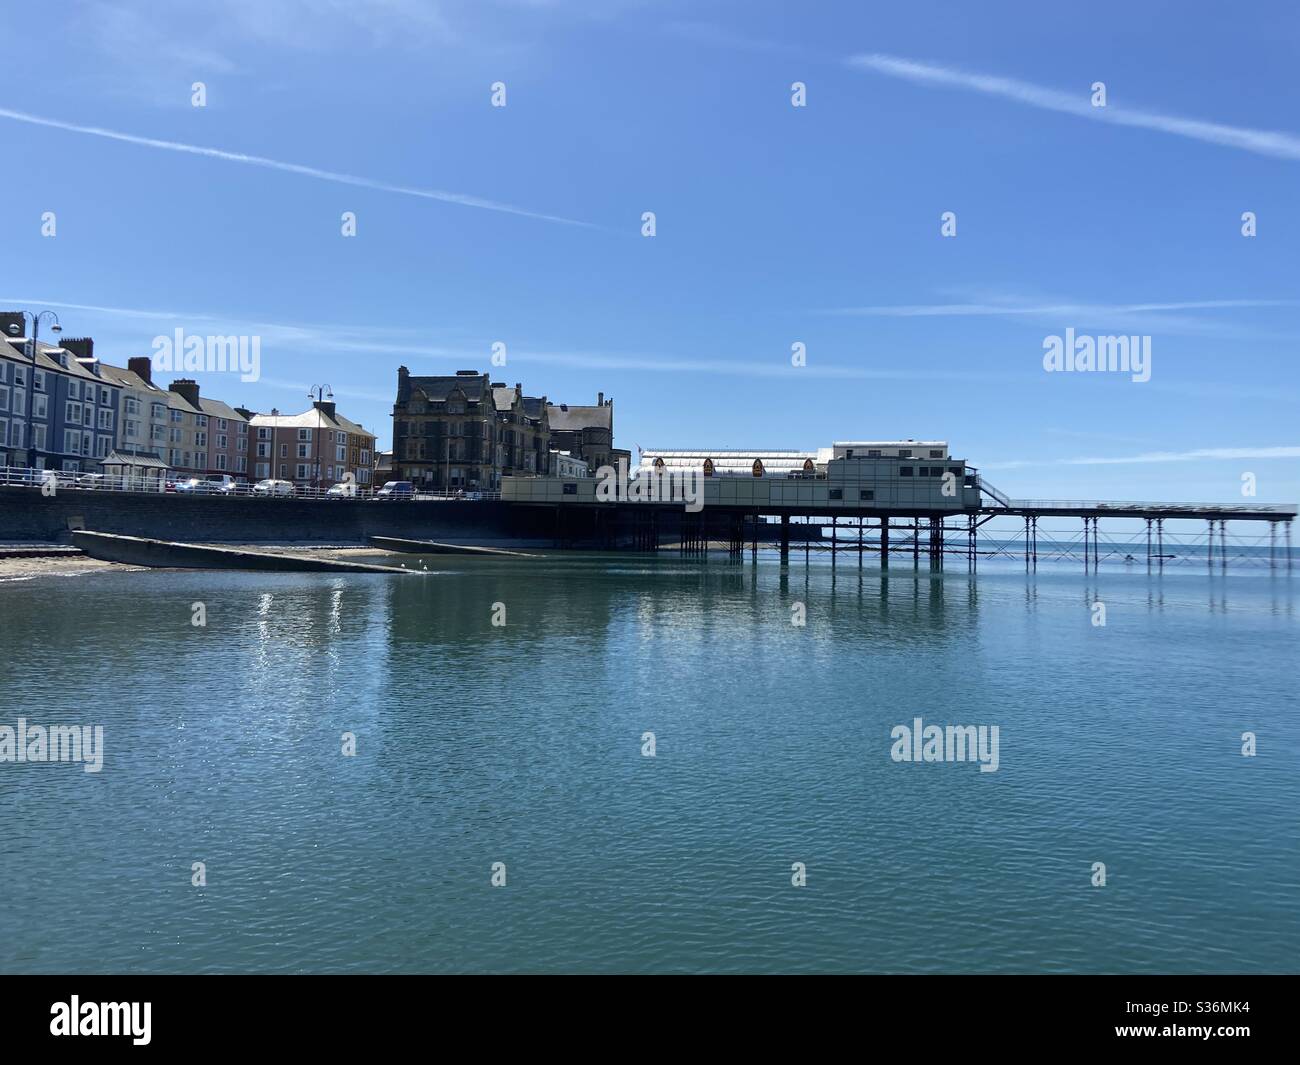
173,484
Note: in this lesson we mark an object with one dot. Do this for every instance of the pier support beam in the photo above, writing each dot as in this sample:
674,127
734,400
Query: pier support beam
785,537
884,543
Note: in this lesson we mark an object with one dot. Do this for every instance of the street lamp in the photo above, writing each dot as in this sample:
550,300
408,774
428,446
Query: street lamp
14,330
318,394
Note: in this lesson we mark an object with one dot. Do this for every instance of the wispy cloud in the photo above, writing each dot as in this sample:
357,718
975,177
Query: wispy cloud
1190,456
395,342
1261,142
457,198
1167,317
948,310
1203,454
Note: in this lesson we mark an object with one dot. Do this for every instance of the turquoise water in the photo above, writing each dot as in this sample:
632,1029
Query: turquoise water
522,744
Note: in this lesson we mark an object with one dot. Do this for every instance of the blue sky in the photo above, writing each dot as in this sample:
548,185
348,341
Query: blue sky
775,224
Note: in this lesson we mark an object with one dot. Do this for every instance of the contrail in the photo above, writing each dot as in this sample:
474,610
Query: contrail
290,168
1259,141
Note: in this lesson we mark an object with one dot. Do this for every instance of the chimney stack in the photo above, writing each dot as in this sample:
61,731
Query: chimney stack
79,348
142,367
187,388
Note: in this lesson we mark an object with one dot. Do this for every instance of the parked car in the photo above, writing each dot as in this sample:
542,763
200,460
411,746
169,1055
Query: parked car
396,490
272,487
187,484
221,484
342,490
92,480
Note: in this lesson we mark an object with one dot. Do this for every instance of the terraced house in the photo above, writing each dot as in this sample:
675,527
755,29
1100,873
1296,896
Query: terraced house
221,433
318,447
55,412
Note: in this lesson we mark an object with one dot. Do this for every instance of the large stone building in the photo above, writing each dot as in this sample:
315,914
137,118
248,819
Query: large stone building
466,431
586,433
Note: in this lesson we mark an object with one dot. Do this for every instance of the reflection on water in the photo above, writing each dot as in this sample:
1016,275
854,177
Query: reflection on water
521,743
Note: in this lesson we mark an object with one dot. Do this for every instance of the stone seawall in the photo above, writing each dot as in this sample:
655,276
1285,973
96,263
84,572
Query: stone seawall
28,516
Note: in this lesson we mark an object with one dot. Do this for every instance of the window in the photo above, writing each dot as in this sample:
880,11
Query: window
71,441
263,433
130,428
4,399
221,425
570,488
341,454
302,472
130,406
848,454
157,432
905,471
200,439
72,412
104,397
241,464
284,471
88,412
866,493
936,453
284,452
40,406
102,444
956,470
157,411
20,375
243,428
201,421
873,453
106,418
262,470
223,442
176,416
4,432
304,434
176,436
905,453
38,435
837,493
74,391
303,451
936,471
221,462
263,451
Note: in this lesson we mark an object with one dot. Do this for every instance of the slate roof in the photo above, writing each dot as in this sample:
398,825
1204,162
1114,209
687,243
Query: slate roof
566,417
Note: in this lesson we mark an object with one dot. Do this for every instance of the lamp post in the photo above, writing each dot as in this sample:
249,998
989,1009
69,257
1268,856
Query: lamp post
318,394
31,384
